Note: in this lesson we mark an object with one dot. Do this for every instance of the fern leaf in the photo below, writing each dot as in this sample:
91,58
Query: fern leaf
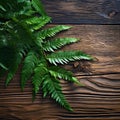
36,23
18,35
28,68
3,66
63,57
52,87
57,43
11,8
61,73
2,8
13,69
50,32
37,79
8,55
37,4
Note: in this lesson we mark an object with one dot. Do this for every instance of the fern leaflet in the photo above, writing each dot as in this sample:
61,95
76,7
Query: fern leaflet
52,86
13,69
61,73
38,77
57,43
29,65
63,57
50,32
37,4
36,23
3,66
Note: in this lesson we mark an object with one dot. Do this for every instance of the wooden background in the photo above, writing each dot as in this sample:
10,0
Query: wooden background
97,23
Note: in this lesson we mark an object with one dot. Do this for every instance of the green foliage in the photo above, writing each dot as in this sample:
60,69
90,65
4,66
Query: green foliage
63,57
38,77
28,67
61,73
35,23
50,32
23,41
53,45
3,67
13,8
52,87
39,7
13,68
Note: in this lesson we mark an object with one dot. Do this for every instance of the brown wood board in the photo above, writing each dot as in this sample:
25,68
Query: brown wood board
84,11
98,99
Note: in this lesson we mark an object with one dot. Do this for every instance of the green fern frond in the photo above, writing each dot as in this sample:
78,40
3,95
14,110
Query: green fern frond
52,86
12,8
16,34
37,4
57,43
3,66
36,23
24,35
50,32
13,69
29,65
63,57
7,56
61,73
38,78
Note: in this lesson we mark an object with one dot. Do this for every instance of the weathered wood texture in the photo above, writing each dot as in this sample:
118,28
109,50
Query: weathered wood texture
98,99
84,11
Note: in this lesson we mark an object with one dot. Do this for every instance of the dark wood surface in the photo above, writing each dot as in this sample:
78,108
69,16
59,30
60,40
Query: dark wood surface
84,11
99,99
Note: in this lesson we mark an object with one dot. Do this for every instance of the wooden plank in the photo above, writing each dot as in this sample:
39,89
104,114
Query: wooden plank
98,99
84,11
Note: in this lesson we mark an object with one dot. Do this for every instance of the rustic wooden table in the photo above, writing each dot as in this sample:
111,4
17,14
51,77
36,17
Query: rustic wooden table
97,23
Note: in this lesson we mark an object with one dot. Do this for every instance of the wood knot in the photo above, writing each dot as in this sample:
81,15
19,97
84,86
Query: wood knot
82,66
112,13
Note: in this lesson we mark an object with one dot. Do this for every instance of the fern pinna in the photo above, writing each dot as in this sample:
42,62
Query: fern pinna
23,39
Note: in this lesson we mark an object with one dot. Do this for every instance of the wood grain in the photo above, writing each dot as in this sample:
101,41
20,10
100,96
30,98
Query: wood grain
84,11
99,99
